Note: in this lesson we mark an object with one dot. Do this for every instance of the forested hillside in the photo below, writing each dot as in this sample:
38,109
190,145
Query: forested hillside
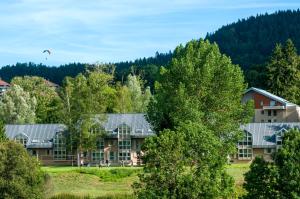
249,42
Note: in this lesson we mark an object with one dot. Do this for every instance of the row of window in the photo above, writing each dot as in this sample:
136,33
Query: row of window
269,112
272,103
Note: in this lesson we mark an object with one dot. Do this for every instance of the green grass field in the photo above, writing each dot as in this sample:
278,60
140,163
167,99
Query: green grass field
109,181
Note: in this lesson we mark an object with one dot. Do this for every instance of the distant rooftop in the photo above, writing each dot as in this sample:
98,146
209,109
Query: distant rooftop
263,134
270,95
3,83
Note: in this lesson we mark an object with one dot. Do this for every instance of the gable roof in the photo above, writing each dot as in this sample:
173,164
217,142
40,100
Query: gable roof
270,95
264,134
3,83
135,121
39,135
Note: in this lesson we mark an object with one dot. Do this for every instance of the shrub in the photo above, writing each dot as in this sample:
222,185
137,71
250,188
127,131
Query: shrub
20,174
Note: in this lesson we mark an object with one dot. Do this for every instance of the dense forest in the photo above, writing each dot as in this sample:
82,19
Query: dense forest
249,42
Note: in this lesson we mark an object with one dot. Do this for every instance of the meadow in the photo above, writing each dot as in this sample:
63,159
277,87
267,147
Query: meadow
112,182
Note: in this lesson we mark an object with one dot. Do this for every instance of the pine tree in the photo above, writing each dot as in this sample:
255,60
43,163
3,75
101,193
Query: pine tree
283,72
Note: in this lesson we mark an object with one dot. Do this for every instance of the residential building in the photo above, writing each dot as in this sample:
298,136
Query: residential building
261,139
271,108
3,86
121,145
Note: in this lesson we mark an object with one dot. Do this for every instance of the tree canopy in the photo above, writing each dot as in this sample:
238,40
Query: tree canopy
17,106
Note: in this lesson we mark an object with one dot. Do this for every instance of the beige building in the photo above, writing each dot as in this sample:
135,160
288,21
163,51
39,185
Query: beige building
121,145
261,139
271,108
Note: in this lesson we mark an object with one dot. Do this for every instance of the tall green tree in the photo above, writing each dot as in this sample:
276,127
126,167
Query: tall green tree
85,97
283,72
261,180
184,163
201,88
17,106
287,161
49,104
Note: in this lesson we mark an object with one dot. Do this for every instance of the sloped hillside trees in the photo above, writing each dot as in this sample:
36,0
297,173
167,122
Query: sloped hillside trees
17,106
198,98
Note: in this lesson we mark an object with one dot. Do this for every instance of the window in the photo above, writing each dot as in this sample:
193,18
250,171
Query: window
112,155
272,103
22,139
124,142
269,112
98,154
279,135
261,103
245,147
262,112
262,121
59,147
274,120
274,112
245,153
269,121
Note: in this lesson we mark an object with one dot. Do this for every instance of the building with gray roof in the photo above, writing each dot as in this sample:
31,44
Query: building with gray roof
125,135
261,139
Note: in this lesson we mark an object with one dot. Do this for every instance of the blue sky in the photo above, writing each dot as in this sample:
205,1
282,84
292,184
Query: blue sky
113,30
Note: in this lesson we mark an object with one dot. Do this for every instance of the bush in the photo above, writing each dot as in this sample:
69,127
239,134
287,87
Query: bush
110,174
20,174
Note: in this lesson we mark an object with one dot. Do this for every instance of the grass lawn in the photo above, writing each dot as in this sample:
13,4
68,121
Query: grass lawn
91,181
109,181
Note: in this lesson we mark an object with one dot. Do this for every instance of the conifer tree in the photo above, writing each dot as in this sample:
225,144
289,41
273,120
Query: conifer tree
283,72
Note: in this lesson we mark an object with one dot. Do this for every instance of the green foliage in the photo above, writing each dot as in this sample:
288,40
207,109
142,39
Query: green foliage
283,72
85,98
3,137
20,174
113,196
261,180
111,175
287,161
49,104
17,106
249,42
198,98
278,180
200,85
184,163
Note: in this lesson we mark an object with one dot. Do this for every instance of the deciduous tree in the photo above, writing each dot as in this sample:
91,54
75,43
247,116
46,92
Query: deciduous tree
17,106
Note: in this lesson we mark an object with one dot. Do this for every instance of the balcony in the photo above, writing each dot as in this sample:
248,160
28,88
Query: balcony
273,107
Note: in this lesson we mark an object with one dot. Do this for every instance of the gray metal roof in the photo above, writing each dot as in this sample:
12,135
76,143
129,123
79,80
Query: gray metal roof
270,95
38,135
41,135
135,121
264,134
